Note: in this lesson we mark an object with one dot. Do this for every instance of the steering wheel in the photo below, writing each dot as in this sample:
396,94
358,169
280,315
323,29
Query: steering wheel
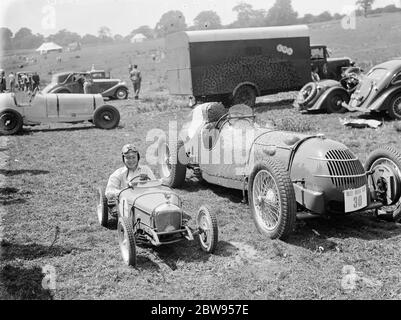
222,118
143,178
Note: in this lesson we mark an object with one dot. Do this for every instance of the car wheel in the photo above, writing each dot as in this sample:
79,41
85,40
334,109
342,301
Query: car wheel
307,94
126,239
395,108
385,165
172,163
121,94
207,224
106,117
334,102
10,122
272,199
245,95
102,209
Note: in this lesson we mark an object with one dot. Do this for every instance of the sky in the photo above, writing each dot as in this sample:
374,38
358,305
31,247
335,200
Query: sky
123,16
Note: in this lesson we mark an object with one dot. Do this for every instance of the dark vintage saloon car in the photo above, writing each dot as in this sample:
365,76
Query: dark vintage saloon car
72,82
328,68
281,171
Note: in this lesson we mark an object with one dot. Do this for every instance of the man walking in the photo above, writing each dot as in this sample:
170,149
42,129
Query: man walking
11,81
136,78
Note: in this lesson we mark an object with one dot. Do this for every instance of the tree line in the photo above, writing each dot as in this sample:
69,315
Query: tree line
281,13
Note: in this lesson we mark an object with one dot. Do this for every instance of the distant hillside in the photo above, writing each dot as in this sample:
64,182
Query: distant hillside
376,39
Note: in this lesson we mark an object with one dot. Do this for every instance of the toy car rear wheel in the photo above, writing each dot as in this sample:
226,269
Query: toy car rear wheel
126,239
395,107
307,94
334,101
272,199
121,94
102,208
207,225
106,117
385,162
10,122
245,95
172,163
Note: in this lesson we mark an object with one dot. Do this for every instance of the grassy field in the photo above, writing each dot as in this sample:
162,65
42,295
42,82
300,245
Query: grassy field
48,201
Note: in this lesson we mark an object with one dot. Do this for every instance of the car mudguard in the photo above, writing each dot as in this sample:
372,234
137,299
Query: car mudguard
321,101
247,83
381,103
112,90
58,89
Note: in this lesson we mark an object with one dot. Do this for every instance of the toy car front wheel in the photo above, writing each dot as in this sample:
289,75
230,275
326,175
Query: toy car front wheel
102,208
395,108
10,122
207,225
106,117
121,94
385,165
272,199
172,163
126,239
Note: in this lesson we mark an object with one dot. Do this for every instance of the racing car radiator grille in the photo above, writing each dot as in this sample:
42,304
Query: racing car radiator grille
346,171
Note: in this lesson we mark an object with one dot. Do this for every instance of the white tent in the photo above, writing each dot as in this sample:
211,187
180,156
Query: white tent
49,47
139,37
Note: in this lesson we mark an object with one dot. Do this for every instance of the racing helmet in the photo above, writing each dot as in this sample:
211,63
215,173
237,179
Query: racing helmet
129,148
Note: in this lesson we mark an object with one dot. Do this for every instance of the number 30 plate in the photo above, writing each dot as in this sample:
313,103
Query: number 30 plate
355,199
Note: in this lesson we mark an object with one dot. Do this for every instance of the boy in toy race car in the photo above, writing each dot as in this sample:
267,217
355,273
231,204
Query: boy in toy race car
122,177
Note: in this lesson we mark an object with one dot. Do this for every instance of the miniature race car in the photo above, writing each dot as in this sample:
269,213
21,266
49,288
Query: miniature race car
280,171
48,108
377,91
72,82
149,212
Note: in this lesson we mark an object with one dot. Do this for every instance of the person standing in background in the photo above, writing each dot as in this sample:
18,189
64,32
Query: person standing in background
88,83
3,82
136,78
11,81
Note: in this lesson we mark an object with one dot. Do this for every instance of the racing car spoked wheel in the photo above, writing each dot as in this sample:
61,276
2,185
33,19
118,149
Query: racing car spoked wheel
385,165
10,122
334,102
172,162
121,94
102,208
106,117
208,230
307,94
272,199
395,108
126,239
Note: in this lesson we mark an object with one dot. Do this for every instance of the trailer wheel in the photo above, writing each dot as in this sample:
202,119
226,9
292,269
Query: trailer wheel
10,122
245,95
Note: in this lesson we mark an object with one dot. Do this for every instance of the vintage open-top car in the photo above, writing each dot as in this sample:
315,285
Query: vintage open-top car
50,108
379,90
72,82
280,170
149,212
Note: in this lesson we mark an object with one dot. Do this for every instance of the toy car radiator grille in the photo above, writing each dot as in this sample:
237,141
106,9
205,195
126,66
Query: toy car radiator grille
168,220
346,171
